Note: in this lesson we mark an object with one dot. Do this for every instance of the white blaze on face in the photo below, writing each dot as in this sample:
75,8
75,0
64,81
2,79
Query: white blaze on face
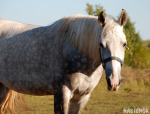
115,72
117,50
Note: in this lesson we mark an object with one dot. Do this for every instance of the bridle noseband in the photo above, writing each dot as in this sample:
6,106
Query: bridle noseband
110,59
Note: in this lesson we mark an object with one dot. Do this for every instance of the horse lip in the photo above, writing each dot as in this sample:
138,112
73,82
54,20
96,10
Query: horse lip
110,88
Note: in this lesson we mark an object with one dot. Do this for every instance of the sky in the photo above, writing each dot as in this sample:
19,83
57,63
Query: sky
45,12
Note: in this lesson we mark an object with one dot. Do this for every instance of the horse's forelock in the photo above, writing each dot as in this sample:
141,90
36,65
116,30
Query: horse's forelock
110,24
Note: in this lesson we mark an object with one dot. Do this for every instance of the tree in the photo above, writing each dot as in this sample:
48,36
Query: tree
138,56
91,11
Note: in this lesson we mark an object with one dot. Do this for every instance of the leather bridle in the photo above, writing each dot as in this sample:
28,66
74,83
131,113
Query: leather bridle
110,59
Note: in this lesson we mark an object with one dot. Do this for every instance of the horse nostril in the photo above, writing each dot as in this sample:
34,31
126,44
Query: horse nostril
120,80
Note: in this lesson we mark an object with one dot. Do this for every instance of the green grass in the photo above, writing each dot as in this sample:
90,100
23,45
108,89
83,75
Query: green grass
134,92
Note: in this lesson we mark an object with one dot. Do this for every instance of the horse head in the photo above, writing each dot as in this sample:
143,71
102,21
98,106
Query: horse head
112,48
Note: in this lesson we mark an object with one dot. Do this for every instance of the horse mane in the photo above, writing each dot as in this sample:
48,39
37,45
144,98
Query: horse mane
83,32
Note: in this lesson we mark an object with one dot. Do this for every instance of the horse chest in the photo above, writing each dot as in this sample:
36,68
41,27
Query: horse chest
80,84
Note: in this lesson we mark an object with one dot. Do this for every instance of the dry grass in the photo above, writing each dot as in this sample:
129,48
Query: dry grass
134,92
147,44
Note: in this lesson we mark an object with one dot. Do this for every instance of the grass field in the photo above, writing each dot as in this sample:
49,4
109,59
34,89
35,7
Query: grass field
133,93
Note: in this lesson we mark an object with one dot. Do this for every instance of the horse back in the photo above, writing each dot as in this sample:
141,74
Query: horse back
11,28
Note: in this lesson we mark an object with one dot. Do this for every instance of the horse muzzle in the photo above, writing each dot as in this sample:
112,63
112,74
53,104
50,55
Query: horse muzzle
114,85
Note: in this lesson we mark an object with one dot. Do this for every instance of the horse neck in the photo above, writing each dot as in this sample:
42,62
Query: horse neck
96,75
87,41
93,68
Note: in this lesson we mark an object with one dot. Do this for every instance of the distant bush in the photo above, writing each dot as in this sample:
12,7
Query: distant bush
138,56
140,59
148,45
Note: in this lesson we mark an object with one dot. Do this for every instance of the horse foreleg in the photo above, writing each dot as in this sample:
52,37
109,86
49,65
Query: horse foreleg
58,101
66,98
61,100
76,106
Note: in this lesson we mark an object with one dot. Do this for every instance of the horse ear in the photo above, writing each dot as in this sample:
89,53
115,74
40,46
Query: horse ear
101,19
123,18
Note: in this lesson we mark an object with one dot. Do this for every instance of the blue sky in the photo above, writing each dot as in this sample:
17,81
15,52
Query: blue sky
44,12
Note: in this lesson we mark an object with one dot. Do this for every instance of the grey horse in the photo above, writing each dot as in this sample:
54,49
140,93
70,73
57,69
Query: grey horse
65,59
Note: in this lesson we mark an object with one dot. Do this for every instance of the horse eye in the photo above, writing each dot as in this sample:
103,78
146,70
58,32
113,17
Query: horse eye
101,45
124,44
